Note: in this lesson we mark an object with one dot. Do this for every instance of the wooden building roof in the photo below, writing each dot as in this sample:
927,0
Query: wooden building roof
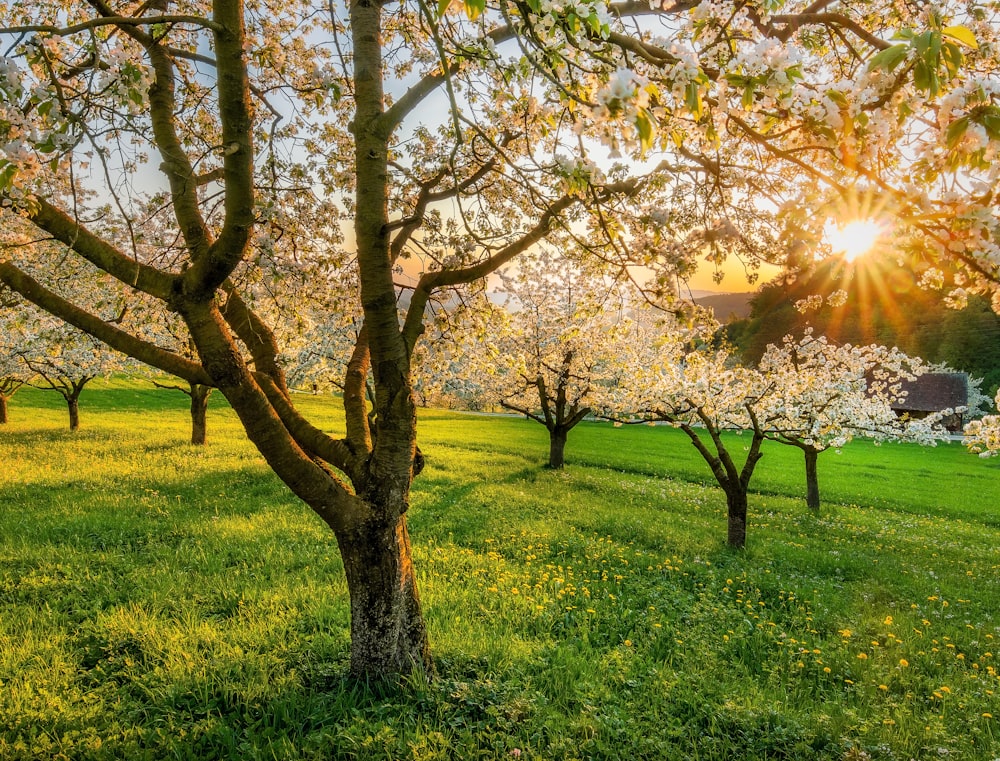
935,391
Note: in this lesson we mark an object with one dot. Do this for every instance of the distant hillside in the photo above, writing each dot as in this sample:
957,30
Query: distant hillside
885,305
727,306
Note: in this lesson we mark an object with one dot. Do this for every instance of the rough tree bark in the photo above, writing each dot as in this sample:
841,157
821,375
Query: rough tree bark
8,387
812,477
557,447
73,404
199,413
735,481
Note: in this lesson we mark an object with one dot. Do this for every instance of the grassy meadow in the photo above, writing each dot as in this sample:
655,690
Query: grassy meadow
164,601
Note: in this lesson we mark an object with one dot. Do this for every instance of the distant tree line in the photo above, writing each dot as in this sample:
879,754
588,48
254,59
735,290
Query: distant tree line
885,304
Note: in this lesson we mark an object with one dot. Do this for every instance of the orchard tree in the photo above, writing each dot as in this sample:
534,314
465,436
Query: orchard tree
680,380
447,141
13,372
64,360
198,394
826,394
543,344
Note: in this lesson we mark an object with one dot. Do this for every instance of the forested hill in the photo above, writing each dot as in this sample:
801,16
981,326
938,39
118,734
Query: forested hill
885,305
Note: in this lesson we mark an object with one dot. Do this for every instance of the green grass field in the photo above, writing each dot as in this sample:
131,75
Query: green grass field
162,601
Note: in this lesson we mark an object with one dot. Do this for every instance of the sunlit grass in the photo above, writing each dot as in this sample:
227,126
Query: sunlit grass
159,600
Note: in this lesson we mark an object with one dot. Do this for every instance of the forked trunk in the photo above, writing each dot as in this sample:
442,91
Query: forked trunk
557,448
199,413
388,635
73,403
736,504
812,478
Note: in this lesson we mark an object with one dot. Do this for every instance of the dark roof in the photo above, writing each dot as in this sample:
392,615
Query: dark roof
935,391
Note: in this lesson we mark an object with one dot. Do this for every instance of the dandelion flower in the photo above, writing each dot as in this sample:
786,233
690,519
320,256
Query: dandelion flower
903,663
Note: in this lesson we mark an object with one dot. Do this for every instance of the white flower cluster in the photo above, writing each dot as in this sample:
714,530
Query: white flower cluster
624,94
815,301
983,436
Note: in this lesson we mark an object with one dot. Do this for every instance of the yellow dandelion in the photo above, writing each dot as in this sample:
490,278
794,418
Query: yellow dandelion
628,643
845,633
883,687
903,663
826,669
987,716
862,656
888,621
945,689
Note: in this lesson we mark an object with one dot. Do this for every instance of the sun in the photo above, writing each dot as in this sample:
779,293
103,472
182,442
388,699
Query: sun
853,239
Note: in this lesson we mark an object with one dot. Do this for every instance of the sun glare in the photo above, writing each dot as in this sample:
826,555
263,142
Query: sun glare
853,239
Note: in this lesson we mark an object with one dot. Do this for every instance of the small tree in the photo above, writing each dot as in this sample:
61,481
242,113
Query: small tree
826,394
549,346
64,359
13,372
705,393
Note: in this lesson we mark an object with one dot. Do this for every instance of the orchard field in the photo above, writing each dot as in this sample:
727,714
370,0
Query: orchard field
159,600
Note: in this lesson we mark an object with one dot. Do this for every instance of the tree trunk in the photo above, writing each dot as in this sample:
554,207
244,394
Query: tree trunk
812,479
736,503
388,635
3,409
73,403
557,447
199,410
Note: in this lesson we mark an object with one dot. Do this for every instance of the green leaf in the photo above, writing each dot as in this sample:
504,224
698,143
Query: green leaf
922,42
955,131
925,78
962,35
473,8
990,119
837,97
953,58
692,100
889,58
7,173
442,7
644,126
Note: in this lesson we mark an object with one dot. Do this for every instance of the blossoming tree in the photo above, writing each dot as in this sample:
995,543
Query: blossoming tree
64,360
544,344
826,394
705,394
13,372
449,140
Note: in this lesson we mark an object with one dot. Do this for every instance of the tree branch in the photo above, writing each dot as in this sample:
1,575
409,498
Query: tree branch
118,339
